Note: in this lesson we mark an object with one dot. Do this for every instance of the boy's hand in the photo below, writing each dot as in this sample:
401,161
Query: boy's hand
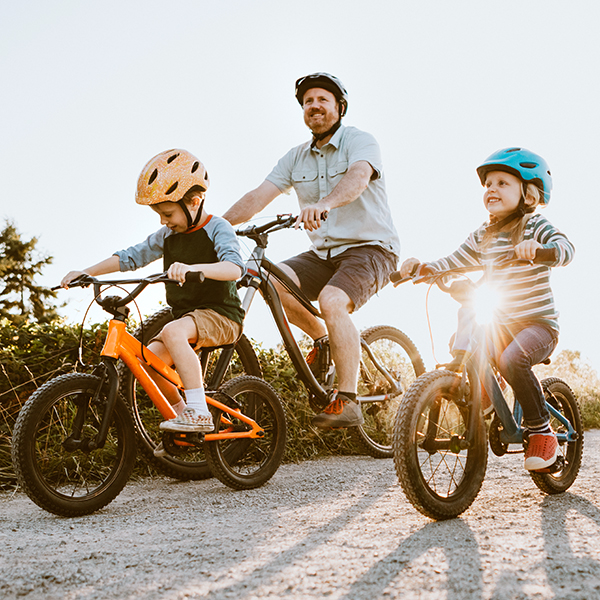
66,280
526,249
177,272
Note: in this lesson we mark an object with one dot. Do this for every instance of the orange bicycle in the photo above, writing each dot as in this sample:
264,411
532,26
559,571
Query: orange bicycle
74,442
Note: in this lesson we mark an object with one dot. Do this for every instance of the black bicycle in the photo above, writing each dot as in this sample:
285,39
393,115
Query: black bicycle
390,363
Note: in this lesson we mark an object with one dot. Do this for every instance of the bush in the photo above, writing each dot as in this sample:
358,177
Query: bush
32,354
582,379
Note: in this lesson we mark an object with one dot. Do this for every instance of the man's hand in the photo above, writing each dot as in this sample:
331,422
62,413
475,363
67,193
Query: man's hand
311,217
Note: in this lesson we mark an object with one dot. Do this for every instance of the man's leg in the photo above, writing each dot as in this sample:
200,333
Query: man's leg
295,312
344,339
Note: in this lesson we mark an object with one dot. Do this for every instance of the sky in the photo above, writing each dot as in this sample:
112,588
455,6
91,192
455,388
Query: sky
92,90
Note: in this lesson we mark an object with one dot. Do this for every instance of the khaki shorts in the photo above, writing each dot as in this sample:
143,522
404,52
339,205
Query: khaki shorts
213,329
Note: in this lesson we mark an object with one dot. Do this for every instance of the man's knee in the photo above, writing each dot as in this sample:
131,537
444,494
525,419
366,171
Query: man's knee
334,301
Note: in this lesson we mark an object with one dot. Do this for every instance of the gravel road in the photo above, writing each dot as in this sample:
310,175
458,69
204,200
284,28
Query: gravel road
337,528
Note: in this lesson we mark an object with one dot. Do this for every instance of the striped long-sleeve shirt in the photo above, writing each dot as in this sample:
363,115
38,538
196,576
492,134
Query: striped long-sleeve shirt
524,291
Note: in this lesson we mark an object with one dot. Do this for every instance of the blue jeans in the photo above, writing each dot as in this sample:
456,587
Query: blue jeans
529,346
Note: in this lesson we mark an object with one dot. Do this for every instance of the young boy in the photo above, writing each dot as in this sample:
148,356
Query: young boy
174,184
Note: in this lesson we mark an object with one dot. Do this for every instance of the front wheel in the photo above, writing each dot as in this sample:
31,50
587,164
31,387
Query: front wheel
440,466
52,447
560,396
390,348
248,463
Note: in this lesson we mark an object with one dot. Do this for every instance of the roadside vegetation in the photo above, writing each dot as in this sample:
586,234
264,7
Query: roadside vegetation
36,345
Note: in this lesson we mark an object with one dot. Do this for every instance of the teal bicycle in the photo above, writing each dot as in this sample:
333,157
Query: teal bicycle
440,436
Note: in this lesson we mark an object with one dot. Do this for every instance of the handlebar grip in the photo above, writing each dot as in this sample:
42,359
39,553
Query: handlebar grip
396,277
194,276
545,255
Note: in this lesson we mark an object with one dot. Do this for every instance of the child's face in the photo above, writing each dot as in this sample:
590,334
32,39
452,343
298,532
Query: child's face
502,193
171,215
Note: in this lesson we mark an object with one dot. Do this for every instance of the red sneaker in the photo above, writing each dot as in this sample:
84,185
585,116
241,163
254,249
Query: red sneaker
542,451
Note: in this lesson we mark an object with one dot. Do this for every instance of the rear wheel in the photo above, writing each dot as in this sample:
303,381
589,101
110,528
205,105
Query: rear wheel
440,473
394,350
560,396
190,460
248,463
52,447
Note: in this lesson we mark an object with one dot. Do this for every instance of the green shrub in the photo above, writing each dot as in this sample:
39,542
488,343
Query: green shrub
32,354
582,379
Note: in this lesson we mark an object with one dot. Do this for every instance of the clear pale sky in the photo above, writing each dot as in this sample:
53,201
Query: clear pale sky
92,90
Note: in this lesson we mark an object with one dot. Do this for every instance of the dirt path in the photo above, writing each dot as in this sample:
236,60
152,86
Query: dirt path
338,528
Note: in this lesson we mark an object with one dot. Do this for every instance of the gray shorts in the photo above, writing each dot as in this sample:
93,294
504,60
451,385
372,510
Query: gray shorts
360,272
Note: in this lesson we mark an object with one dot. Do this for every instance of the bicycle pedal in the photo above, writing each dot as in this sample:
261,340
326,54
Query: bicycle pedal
557,466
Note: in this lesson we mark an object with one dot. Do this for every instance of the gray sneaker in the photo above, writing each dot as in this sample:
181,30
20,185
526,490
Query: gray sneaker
340,412
189,420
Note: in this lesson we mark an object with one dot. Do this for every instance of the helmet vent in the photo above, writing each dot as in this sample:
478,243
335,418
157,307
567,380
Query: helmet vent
528,165
513,150
172,158
195,166
153,177
172,188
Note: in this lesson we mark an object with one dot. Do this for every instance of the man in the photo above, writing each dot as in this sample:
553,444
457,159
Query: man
353,252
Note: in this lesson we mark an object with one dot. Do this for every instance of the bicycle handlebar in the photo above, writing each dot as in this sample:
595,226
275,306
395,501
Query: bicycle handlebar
280,222
87,280
542,255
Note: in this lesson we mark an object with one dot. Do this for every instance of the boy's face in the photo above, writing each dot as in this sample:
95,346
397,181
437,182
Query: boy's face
171,215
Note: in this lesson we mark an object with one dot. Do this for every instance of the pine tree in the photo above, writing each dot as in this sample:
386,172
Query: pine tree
21,299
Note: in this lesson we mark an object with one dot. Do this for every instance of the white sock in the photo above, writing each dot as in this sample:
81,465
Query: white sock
179,407
197,400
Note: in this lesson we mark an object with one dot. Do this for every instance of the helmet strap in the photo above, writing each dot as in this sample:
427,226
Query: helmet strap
496,225
191,222
317,137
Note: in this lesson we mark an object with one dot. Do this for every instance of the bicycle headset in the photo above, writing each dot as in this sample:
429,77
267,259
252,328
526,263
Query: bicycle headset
168,174
331,84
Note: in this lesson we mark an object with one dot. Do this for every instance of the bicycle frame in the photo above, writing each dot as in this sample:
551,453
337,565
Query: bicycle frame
481,374
120,344
259,271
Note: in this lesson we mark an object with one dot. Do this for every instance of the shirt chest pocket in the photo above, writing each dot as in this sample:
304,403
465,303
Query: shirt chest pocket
336,172
306,185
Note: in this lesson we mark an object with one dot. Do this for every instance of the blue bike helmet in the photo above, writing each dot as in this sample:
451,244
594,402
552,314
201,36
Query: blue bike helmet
524,164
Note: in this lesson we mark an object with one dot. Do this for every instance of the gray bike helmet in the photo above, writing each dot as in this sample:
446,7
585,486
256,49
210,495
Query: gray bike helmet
327,82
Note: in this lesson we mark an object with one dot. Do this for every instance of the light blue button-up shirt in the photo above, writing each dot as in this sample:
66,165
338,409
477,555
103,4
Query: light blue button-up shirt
314,172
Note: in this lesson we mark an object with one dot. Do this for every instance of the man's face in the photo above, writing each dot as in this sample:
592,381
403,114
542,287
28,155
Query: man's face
321,110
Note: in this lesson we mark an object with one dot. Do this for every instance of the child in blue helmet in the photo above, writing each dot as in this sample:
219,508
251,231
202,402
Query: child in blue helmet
526,329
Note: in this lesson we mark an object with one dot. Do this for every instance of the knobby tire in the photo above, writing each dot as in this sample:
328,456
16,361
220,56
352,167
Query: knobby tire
439,478
58,478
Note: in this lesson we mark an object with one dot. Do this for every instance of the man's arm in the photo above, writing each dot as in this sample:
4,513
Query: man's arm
350,187
252,203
